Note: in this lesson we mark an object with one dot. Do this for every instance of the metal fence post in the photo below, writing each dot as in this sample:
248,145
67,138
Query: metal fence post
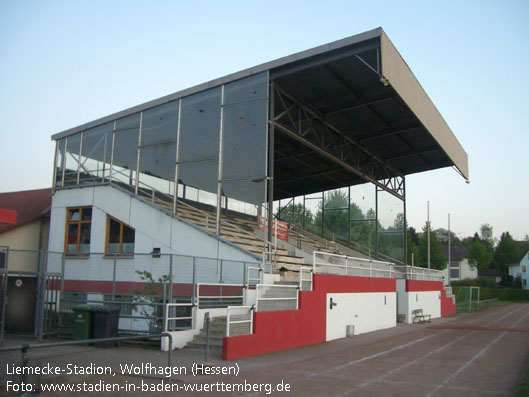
193,286
114,280
164,306
208,320
171,278
4,296
39,309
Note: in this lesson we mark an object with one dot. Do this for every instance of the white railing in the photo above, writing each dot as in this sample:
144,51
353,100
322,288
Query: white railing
169,318
219,297
323,262
418,273
305,284
236,319
253,281
276,297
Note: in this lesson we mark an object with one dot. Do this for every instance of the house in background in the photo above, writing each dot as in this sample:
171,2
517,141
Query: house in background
494,274
522,270
460,267
31,229
20,243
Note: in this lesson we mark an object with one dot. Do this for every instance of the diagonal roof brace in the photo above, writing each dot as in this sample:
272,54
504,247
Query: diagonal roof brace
324,144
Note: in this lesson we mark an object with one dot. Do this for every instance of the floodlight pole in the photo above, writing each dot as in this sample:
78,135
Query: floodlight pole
428,229
449,250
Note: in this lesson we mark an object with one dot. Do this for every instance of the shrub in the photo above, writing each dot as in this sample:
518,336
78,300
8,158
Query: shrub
505,294
487,282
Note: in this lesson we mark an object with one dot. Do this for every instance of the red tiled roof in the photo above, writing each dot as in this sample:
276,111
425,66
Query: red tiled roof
30,205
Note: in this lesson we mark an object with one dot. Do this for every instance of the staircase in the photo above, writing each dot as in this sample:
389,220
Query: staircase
450,294
217,331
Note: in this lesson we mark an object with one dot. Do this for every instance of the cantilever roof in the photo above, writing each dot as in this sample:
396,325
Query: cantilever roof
385,111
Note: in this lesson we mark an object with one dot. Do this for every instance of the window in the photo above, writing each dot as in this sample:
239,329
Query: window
454,271
78,225
120,237
124,302
71,299
524,269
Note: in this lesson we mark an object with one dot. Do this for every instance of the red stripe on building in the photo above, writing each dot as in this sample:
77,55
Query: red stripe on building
137,287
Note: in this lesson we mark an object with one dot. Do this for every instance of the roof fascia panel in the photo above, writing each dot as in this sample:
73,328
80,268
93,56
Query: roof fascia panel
401,78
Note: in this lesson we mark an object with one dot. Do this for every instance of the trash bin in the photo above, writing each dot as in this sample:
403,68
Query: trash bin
82,325
105,324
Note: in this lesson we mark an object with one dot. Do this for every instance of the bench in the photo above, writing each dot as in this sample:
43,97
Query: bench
420,317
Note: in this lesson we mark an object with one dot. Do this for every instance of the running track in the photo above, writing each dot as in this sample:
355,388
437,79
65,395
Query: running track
487,361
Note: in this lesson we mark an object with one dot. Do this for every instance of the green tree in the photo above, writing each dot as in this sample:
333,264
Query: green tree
507,252
480,255
437,259
414,236
293,214
486,235
335,216
412,249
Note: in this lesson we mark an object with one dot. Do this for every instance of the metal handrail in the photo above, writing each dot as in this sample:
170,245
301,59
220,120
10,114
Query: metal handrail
25,347
259,287
369,262
167,318
352,245
216,296
228,322
222,221
420,272
301,280
248,278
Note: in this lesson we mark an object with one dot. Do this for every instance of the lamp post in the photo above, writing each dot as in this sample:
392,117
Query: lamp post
428,229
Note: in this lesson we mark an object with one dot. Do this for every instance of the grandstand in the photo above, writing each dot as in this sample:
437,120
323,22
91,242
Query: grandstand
316,144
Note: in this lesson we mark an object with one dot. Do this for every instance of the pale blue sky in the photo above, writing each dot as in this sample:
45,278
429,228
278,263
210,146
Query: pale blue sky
64,63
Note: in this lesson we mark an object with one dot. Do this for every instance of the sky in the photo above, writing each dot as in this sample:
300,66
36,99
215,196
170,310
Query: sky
64,63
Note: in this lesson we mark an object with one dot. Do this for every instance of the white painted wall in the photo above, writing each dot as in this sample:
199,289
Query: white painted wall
428,301
154,229
365,311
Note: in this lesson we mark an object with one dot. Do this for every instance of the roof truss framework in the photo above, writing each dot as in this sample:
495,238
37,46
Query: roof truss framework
309,127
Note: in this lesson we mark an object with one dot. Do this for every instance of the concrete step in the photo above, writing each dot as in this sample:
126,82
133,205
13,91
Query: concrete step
202,346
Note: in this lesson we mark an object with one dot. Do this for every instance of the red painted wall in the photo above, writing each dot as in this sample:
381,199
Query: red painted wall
420,285
330,283
447,305
288,329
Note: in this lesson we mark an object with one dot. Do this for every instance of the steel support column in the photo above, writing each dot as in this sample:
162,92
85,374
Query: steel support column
221,145
270,179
